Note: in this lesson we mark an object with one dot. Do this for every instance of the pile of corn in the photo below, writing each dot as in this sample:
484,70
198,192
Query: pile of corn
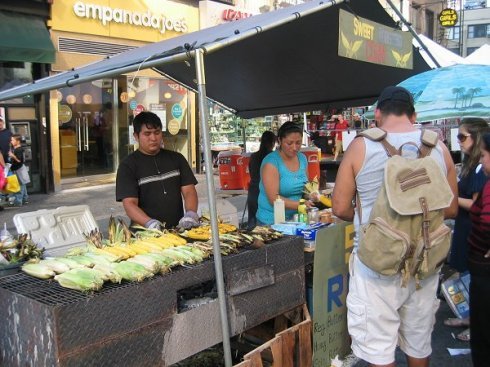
135,257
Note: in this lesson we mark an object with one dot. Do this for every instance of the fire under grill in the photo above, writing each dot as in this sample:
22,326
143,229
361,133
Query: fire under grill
142,324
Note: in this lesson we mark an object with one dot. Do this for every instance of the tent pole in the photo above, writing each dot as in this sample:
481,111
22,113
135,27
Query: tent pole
208,162
412,31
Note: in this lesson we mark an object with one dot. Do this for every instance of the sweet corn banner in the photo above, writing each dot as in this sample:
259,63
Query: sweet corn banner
364,40
330,284
143,20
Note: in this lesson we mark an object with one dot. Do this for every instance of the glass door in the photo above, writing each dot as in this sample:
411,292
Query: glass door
86,123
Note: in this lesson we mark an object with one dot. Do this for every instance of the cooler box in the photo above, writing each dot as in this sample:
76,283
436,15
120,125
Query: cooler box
243,162
229,171
313,156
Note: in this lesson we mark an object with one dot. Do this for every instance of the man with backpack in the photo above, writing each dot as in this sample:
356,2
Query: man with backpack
397,184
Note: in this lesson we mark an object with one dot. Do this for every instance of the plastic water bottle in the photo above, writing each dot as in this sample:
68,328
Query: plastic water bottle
279,210
302,215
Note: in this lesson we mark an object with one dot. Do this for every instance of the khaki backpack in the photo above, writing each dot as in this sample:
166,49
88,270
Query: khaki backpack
406,232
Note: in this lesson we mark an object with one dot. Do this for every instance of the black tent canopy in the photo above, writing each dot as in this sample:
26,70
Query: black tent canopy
278,62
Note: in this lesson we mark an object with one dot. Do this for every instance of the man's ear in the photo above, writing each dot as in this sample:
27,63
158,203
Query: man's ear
413,118
377,114
136,137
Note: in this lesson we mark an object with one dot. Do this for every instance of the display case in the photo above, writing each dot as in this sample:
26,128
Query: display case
228,131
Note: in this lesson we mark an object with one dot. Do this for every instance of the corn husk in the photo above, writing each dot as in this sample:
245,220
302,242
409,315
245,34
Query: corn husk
83,260
81,279
178,256
132,271
99,258
38,270
150,264
109,272
71,263
57,266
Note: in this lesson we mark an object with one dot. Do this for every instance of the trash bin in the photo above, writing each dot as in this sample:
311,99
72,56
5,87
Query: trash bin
313,155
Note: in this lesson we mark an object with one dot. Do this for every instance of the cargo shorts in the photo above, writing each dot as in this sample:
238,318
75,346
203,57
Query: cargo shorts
381,314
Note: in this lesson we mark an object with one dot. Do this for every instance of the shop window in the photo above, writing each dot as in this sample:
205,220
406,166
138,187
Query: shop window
13,74
479,31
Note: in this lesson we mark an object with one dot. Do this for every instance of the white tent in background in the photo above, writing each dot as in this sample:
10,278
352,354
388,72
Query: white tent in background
481,56
443,56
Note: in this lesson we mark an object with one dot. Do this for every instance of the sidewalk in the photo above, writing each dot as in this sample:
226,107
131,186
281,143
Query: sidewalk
102,202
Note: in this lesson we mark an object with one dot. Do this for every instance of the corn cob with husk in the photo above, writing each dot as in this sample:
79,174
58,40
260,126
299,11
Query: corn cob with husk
132,271
38,270
109,272
57,266
72,264
149,263
81,279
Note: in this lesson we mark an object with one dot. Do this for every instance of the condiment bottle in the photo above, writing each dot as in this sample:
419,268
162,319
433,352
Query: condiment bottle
279,210
302,216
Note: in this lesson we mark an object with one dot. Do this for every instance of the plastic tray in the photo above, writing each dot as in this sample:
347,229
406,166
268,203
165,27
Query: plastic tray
57,230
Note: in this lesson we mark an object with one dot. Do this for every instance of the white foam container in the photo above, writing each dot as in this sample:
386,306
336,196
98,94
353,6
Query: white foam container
57,230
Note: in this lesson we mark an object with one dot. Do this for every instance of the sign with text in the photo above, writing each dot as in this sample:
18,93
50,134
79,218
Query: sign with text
330,284
364,40
448,17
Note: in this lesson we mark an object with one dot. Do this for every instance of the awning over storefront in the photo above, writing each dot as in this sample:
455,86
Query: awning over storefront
24,38
277,62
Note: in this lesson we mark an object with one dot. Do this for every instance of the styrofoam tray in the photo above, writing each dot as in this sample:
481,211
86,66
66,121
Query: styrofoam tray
57,230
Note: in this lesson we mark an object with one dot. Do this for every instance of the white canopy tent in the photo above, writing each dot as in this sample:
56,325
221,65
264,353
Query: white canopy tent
480,57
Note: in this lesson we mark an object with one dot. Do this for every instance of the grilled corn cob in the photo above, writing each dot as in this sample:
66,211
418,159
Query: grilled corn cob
38,270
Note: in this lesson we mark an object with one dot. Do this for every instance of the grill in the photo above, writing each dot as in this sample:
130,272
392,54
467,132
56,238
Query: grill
139,324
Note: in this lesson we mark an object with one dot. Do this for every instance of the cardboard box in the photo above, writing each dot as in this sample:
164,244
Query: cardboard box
309,232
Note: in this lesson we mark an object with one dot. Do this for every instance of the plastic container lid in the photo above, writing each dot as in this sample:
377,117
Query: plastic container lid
57,230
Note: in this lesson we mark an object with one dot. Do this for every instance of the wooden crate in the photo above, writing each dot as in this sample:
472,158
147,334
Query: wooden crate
291,347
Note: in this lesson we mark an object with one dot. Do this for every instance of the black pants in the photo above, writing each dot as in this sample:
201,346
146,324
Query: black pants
480,320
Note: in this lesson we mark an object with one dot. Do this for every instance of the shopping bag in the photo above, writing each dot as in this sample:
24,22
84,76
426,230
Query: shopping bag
3,179
13,185
23,175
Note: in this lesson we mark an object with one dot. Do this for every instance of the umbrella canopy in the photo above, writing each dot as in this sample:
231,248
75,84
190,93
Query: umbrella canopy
456,91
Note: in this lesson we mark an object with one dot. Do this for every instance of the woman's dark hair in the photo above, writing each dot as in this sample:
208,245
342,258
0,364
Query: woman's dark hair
149,119
485,140
475,127
267,141
289,127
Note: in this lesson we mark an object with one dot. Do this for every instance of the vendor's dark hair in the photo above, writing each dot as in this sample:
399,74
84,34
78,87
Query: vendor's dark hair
149,119
267,141
397,108
475,126
289,127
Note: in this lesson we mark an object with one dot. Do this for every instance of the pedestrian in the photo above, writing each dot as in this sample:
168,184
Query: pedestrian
5,136
16,159
470,182
154,184
381,313
340,125
283,174
479,266
357,121
267,142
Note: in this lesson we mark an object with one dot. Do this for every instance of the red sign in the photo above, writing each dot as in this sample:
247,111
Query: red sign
139,108
232,14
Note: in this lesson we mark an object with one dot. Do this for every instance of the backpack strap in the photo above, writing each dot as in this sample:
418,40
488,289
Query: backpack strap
379,135
429,140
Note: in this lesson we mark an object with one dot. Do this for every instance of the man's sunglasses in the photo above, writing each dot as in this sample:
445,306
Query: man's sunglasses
462,137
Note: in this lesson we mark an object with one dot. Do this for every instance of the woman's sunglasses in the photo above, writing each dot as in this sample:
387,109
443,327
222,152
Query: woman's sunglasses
462,137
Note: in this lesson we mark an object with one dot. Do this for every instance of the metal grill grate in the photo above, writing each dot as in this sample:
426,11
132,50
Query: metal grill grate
50,293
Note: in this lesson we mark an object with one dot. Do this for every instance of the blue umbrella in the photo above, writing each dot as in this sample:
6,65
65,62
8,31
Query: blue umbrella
455,91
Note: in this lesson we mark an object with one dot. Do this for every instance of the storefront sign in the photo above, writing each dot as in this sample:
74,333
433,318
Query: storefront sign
448,18
107,14
160,109
139,108
64,114
173,127
212,13
364,40
177,111
144,20
133,104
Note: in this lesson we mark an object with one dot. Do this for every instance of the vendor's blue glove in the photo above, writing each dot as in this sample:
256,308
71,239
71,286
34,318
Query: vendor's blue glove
154,224
189,220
